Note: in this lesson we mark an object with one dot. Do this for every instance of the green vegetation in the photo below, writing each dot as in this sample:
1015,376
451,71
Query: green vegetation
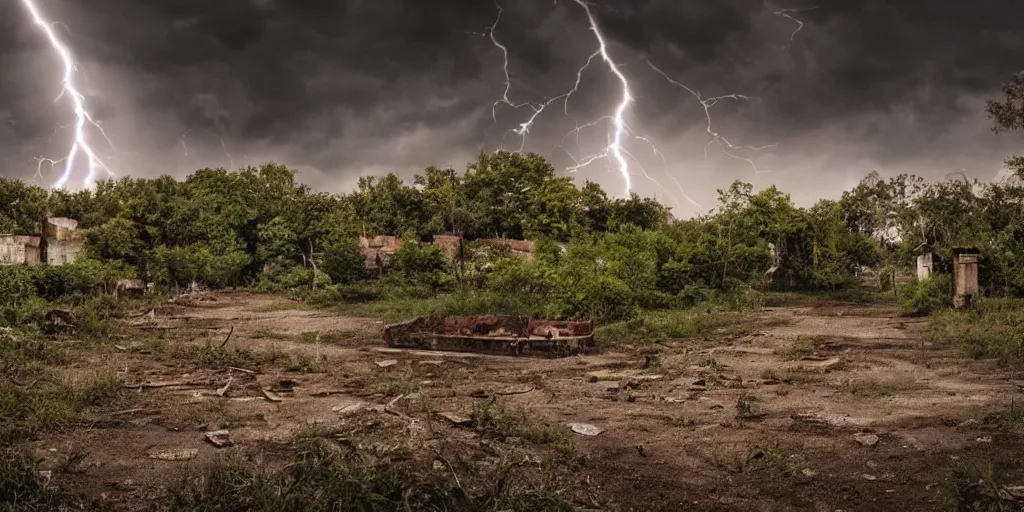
993,329
926,297
320,478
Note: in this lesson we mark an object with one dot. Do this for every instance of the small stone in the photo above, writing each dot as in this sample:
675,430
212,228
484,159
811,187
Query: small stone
700,382
866,476
986,439
971,423
386,363
808,472
866,439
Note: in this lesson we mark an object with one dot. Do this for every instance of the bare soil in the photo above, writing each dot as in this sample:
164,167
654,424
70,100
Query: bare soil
832,407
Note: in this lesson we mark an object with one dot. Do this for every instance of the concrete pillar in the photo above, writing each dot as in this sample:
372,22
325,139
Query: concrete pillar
925,264
965,277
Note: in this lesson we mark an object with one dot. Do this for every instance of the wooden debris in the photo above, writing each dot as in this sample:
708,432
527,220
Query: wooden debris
269,395
219,438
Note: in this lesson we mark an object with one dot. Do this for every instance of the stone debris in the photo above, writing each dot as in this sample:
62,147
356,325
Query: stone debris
219,438
585,429
175,455
386,363
866,438
455,418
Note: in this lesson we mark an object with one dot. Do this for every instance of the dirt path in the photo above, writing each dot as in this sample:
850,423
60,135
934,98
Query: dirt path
829,408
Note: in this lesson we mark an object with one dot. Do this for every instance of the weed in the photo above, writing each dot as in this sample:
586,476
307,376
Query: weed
50,403
969,487
992,329
320,478
23,487
804,346
772,459
284,306
692,323
925,297
389,386
787,376
269,335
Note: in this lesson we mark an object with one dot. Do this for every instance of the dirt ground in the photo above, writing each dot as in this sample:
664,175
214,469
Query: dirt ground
825,408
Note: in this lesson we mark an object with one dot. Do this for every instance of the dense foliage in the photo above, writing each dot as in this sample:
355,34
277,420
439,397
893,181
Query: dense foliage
595,256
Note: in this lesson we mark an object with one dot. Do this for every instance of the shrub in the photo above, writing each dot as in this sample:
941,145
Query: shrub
925,297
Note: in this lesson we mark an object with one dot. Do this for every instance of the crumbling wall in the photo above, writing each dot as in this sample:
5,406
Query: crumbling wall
451,245
12,250
522,248
377,251
63,241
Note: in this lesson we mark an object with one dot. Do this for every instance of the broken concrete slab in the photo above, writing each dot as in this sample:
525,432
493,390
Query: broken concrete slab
175,455
585,429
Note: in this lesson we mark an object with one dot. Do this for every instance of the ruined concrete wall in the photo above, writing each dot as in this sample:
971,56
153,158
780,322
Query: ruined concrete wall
377,251
451,245
523,248
925,264
59,252
12,250
63,241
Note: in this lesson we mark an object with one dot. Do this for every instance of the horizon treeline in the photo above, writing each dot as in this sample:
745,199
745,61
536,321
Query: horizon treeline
595,256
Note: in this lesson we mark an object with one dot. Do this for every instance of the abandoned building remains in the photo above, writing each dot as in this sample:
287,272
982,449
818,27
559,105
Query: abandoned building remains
61,242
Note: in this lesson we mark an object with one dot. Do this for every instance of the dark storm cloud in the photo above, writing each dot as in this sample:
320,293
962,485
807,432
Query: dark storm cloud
340,88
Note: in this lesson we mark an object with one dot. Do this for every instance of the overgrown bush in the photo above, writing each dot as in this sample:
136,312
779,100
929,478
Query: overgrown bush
925,297
992,329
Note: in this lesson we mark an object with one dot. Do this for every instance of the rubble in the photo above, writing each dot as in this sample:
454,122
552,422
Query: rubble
493,334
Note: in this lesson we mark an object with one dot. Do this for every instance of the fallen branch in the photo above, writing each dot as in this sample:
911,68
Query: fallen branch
228,337
243,370
521,391
154,385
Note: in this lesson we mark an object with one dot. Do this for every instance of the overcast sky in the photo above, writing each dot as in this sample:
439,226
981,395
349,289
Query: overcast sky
339,89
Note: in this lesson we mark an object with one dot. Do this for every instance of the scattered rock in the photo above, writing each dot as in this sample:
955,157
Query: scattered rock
808,472
269,395
174,455
222,391
866,438
386,363
834,420
585,429
700,382
349,408
971,423
219,438
827,365
912,441
869,477
438,362
986,439
456,419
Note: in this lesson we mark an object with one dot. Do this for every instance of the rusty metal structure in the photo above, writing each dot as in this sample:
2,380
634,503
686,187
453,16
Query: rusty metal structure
493,334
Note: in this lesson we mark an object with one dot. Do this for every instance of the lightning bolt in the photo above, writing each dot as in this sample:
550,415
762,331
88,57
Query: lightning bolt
82,116
223,146
615,148
785,13
727,147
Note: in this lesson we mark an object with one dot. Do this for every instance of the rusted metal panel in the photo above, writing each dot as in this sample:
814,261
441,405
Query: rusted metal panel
493,334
